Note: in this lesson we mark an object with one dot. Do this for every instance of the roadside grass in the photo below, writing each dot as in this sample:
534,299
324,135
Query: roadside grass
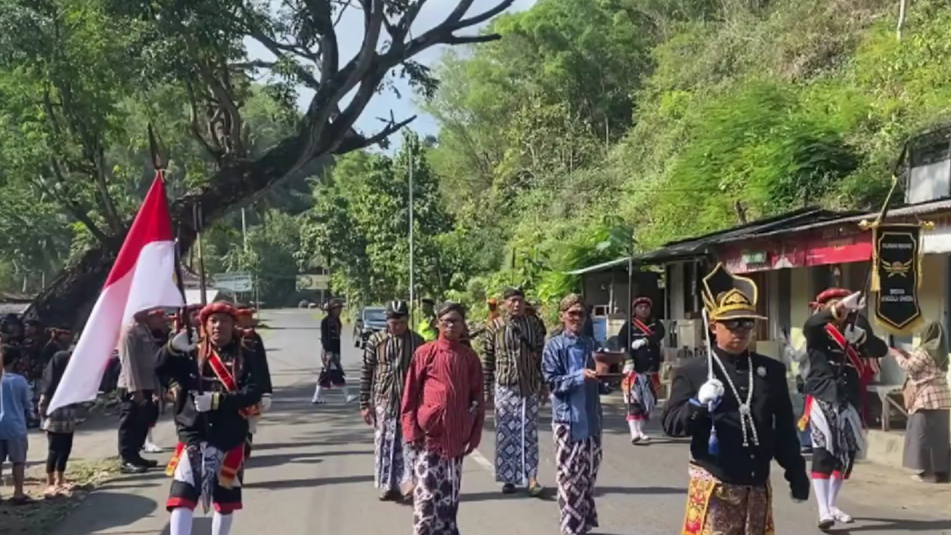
43,515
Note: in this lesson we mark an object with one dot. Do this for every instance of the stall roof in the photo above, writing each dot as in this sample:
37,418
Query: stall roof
924,208
697,246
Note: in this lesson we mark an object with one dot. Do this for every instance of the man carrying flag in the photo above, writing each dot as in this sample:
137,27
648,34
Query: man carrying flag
221,381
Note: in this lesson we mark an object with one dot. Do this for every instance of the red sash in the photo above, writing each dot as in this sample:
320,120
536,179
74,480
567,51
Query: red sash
644,328
227,380
850,352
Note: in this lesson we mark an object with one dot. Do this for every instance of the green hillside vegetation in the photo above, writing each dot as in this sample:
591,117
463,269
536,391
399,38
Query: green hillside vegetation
676,118
590,126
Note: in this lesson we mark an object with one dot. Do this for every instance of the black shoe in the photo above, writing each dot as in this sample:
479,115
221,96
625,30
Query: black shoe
508,488
389,496
148,463
131,468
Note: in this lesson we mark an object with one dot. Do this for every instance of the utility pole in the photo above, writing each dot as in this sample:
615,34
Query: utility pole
412,293
244,229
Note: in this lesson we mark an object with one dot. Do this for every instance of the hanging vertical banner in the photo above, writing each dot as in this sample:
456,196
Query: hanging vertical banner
896,275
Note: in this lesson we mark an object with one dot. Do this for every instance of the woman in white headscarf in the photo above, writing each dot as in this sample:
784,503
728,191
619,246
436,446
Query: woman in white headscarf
928,400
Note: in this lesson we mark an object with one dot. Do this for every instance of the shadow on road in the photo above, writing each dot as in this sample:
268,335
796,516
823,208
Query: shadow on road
308,483
268,461
200,526
894,524
124,509
638,491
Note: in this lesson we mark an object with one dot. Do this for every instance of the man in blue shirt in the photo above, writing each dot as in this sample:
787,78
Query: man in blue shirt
568,370
15,399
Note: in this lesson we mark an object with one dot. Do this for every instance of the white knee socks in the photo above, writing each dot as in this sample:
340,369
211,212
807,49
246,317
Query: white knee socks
221,524
181,521
316,394
822,490
634,425
835,486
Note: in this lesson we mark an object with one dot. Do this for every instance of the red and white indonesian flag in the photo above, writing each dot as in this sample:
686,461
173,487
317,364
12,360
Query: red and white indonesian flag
142,278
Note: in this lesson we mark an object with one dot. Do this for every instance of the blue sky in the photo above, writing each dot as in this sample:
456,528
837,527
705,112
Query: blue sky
350,34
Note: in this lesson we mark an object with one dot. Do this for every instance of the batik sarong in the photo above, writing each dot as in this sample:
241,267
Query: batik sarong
204,474
393,466
717,508
436,497
837,439
577,464
516,436
639,396
331,375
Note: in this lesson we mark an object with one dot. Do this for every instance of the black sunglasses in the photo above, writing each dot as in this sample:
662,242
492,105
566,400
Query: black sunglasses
739,324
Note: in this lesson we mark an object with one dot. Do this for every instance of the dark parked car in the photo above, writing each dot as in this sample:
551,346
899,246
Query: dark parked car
371,319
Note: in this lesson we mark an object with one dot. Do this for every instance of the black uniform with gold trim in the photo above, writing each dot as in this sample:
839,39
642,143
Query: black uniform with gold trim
729,465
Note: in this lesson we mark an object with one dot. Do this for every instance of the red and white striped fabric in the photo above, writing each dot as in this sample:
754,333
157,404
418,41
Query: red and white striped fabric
142,278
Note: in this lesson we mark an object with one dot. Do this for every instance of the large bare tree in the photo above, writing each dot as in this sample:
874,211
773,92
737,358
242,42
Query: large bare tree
201,46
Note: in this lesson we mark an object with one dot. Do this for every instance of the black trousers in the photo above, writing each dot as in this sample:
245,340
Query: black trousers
134,423
60,446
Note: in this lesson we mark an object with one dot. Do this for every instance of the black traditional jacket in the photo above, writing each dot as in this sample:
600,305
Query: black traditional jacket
835,367
234,373
772,413
647,359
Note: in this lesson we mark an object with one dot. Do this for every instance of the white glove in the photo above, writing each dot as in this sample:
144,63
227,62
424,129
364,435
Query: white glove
183,344
710,392
637,344
853,302
855,335
203,402
265,403
628,367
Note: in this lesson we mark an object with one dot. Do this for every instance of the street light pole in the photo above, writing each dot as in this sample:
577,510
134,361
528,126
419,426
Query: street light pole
244,230
412,294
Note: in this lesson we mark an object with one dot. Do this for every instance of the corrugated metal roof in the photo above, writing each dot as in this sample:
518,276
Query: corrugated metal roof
697,246
795,221
13,308
905,211
599,267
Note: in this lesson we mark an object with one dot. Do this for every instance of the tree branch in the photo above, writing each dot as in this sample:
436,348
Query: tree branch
108,206
356,141
330,54
215,153
71,206
479,19
472,39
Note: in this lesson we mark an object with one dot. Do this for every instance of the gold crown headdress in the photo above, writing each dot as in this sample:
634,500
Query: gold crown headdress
727,296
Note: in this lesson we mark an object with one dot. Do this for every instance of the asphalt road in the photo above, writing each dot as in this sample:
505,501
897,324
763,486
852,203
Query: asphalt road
312,473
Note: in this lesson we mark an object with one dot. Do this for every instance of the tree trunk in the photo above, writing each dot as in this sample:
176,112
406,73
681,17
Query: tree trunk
67,301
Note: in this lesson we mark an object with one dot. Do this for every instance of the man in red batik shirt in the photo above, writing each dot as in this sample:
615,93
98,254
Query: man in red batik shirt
442,413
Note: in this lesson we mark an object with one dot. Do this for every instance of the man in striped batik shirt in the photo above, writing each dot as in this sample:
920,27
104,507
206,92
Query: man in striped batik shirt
512,352
387,357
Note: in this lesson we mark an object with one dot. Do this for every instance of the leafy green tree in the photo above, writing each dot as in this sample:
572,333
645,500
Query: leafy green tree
72,72
360,224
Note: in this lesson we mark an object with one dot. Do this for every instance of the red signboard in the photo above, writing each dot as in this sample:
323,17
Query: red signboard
840,250
833,247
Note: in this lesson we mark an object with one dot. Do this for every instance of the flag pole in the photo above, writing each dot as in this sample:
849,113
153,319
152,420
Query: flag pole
196,221
159,165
